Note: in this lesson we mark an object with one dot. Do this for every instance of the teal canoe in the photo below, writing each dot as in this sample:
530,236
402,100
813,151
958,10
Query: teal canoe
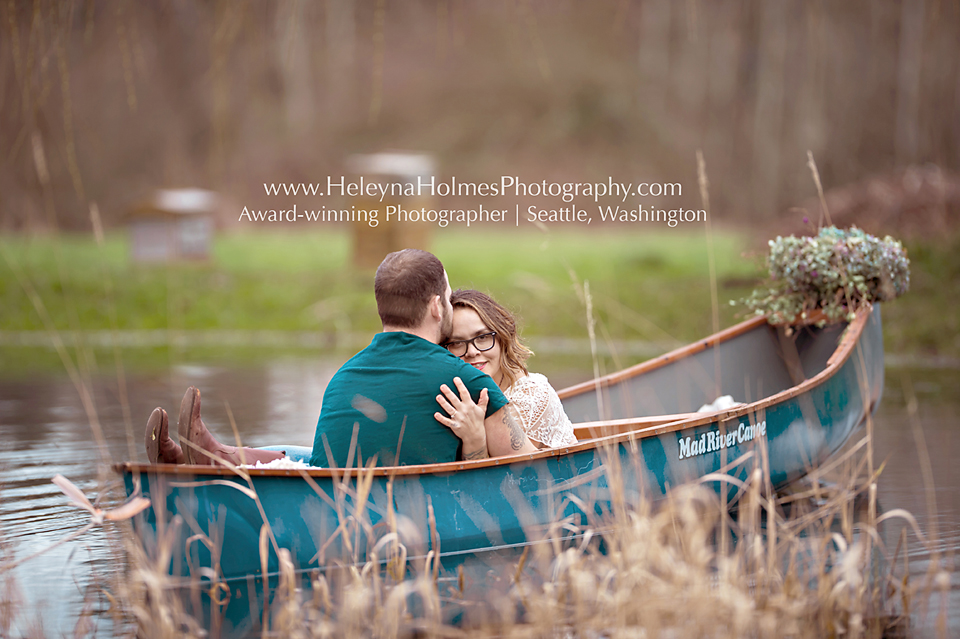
804,392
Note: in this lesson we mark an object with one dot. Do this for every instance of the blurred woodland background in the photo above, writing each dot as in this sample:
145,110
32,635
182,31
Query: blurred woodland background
103,102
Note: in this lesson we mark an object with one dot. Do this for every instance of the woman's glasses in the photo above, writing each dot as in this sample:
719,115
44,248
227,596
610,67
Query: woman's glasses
481,342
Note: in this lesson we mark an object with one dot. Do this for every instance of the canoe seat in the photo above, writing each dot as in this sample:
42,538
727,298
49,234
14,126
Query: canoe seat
595,430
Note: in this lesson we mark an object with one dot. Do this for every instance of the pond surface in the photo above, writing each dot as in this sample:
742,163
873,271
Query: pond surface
44,430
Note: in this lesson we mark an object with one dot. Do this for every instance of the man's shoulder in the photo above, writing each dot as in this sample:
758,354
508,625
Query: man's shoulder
402,341
398,353
386,343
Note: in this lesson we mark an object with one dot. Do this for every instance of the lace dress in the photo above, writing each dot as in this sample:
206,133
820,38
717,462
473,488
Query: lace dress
541,412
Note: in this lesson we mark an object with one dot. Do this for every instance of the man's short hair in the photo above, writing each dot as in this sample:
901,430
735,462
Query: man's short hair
406,282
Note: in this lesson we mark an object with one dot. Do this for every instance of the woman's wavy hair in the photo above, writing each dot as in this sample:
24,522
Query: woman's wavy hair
513,354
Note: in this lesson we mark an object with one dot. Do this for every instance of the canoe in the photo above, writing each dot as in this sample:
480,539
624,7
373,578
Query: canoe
804,392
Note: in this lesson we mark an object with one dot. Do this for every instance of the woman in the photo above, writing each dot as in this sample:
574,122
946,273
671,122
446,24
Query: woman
485,336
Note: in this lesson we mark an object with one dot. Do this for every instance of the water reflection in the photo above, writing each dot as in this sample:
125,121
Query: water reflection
936,507
44,431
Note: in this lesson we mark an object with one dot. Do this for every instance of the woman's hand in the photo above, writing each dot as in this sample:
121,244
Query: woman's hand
465,418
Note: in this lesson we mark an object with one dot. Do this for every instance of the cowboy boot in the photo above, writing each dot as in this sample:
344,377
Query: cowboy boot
160,448
193,430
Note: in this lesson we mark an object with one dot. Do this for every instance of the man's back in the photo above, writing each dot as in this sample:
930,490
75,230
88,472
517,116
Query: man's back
391,386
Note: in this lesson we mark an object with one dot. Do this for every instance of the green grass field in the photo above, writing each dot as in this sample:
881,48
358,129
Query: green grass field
652,287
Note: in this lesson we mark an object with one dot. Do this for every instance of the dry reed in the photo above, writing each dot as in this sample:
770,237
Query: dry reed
806,564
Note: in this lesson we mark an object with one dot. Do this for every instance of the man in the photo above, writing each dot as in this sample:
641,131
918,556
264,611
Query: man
382,401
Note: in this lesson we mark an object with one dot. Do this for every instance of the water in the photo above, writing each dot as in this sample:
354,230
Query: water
44,431
936,504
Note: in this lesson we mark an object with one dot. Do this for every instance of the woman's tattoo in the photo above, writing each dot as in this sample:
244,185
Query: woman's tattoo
516,433
480,453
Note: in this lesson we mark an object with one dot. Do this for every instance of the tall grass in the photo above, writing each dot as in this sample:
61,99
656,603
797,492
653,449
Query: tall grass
808,564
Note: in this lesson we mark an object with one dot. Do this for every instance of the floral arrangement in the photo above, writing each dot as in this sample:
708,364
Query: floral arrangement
828,277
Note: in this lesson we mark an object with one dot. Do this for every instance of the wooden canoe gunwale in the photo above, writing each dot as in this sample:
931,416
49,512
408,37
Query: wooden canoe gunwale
667,358
841,354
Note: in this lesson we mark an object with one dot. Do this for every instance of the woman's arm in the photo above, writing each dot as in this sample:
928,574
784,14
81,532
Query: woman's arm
541,412
499,434
505,435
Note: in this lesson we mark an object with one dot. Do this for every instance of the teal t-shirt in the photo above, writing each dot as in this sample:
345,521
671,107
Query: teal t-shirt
392,385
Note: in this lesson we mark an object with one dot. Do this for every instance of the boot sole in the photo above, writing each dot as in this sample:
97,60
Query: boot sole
151,438
183,424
